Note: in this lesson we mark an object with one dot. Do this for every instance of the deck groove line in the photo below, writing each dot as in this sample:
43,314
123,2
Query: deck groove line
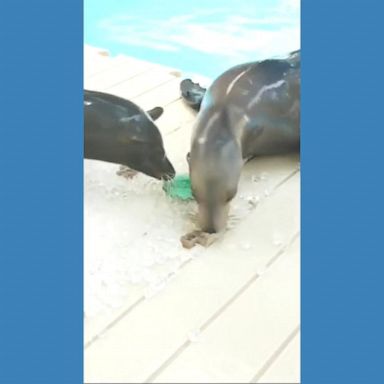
272,359
172,101
166,105
110,65
122,315
276,187
113,322
115,65
280,183
90,77
128,78
173,131
150,90
221,310
132,77
278,254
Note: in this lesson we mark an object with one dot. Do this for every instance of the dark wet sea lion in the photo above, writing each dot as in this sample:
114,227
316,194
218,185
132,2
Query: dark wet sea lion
250,110
118,131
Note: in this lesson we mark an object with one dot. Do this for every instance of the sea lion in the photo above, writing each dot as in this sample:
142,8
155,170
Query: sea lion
251,110
118,131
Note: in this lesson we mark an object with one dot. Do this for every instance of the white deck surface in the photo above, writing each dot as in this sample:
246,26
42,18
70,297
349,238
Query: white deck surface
156,312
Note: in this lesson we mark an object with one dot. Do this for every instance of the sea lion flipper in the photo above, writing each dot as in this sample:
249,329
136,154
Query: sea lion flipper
155,113
192,93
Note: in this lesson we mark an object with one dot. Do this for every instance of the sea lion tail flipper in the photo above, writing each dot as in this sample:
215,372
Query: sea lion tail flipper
192,93
155,113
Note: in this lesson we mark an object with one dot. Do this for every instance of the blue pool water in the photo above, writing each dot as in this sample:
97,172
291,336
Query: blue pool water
201,36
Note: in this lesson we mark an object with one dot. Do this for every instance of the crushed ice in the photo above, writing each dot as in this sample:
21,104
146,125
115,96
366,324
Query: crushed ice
131,237
132,232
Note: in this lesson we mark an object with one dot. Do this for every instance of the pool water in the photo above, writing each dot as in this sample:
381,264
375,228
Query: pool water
199,37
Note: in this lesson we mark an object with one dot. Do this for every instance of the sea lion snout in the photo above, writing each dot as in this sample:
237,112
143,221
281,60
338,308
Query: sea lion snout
158,167
213,217
166,170
213,194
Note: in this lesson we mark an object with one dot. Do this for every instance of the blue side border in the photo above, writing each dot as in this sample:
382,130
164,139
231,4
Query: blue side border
342,192
41,192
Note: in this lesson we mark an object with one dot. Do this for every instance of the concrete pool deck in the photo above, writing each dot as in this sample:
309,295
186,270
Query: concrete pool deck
156,312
